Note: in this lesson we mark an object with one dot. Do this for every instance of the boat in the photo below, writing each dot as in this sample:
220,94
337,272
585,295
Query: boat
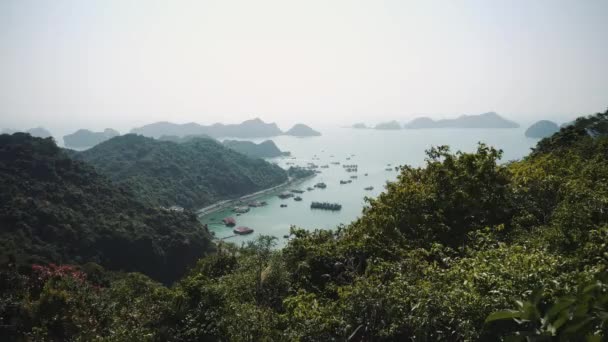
229,221
326,206
369,188
343,182
297,191
365,174
241,210
388,169
325,166
256,204
283,205
242,230
321,185
353,177
284,195
297,198
310,188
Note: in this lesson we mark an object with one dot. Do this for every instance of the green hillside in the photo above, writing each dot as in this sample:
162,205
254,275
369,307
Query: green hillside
191,174
55,209
464,248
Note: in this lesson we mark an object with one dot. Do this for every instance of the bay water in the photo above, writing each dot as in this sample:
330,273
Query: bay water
373,151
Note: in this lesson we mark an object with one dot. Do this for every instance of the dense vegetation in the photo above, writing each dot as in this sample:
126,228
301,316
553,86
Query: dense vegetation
38,132
55,209
298,172
192,174
464,248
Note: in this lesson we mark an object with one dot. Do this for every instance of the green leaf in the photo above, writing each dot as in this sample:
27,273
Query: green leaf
502,315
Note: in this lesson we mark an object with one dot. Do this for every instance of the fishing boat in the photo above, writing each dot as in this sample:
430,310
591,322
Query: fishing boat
242,230
241,210
229,221
326,206
283,205
369,188
321,185
284,195
297,198
256,204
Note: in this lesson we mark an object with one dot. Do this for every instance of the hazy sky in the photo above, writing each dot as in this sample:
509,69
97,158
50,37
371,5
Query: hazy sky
95,64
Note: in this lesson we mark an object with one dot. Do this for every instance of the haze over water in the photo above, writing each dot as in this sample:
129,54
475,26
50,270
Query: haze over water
373,150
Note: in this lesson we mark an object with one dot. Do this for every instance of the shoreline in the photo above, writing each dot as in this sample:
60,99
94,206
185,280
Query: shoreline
230,202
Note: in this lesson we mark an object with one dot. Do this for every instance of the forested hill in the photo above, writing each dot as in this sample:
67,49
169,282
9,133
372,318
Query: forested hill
582,130
464,248
55,209
192,174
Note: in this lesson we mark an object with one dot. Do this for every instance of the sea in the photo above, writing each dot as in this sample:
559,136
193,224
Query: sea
375,152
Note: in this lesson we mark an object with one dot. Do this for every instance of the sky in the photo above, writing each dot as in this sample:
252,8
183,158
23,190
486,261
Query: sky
68,64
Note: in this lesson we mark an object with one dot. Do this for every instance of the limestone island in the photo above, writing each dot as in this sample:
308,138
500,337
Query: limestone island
542,129
485,120
391,125
301,130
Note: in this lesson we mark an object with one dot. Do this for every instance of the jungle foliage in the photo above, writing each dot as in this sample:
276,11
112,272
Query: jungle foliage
56,209
464,248
192,174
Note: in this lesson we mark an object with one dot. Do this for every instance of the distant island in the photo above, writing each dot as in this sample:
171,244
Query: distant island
301,130
84,138
360,125
542,129
486,120
186,138
255,128
265,149
388,125
37,132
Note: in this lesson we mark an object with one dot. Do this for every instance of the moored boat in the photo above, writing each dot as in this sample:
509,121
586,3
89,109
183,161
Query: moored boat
229,221
242,230
241,210
284,195
326,206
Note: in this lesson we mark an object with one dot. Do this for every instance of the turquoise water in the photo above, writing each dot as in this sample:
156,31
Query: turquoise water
373,150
